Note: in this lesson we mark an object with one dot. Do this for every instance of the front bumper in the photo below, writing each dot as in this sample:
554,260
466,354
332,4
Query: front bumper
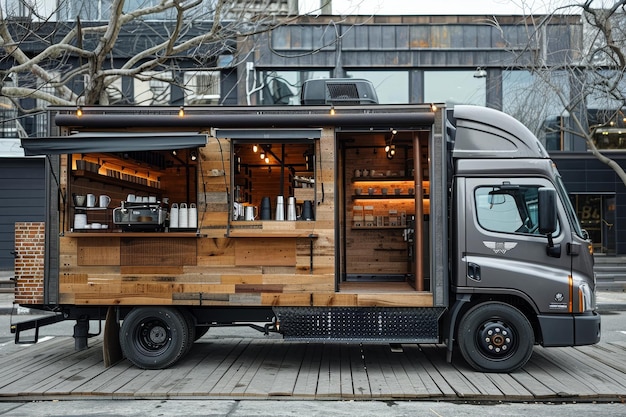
571,330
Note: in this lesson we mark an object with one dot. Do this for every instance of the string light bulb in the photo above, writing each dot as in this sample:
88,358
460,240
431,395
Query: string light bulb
332,110
255,148
181,111
79,111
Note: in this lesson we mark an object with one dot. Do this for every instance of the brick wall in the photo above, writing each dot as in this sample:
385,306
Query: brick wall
29,264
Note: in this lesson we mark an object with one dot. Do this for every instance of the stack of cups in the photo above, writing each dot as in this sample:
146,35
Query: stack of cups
174,216
183,216
193,216
266,209
280,208
291,209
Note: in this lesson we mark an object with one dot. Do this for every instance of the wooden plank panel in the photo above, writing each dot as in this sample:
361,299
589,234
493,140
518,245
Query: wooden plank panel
253,251
333,299
216,251
128,271
395,300
164,252
286,299
101,251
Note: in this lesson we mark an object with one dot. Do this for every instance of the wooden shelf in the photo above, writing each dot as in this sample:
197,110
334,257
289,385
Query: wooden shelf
271,233
272,229
384,197
381,179
377,227
107,233
115,181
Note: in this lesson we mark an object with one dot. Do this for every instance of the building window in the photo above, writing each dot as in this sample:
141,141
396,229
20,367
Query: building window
93,10
454,87
202,87
597,216
533,102
8,114
41,119
392,87
608,128
282,87
153,88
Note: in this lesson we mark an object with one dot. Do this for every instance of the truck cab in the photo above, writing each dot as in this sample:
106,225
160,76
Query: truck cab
522,265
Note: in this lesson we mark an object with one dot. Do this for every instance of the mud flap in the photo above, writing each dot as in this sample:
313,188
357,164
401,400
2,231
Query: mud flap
111,348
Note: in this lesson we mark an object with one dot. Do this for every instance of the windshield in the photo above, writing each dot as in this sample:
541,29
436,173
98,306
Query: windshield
569,209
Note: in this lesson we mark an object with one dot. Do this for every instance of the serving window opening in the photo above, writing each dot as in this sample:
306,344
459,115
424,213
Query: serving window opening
273,180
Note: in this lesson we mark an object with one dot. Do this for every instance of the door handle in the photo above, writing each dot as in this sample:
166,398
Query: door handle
473,271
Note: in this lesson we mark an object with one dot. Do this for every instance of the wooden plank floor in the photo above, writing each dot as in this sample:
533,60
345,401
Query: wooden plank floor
258,368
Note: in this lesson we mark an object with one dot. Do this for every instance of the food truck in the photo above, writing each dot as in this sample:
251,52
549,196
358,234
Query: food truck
337,220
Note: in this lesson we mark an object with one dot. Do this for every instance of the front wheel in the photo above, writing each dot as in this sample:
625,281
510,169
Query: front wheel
495,337
154,337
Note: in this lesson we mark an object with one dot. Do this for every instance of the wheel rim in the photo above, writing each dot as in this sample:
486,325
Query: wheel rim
153,337
496,339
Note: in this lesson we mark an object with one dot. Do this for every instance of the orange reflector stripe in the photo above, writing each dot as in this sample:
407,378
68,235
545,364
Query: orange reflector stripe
570,303
580,301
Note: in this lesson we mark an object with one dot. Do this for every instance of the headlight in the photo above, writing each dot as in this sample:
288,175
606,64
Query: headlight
585,298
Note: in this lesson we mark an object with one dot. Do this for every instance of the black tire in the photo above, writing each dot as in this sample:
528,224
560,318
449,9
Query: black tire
191,326
495,337
154,337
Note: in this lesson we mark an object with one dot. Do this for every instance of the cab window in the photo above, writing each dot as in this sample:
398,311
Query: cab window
508,208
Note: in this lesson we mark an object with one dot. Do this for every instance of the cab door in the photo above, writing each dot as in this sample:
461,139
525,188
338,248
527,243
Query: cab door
504,251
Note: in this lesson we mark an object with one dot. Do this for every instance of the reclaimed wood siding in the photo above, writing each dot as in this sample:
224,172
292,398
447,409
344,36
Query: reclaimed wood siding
228,271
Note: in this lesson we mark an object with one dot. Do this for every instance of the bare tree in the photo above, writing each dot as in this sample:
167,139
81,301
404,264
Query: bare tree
585,78
59,58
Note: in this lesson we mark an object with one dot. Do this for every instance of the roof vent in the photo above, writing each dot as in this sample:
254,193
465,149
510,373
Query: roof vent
338,91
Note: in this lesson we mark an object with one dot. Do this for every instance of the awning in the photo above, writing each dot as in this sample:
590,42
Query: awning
274,135
111,142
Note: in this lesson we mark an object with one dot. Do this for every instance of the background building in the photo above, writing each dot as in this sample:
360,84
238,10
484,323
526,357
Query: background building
410,59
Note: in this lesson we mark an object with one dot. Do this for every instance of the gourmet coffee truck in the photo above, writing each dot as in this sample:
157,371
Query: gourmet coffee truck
338,220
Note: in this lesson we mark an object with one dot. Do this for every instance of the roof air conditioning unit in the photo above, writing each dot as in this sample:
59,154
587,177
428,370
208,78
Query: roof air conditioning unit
338,91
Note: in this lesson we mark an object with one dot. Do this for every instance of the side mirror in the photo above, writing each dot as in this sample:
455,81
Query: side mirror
547,211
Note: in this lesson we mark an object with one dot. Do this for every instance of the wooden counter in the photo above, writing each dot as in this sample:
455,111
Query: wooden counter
133,234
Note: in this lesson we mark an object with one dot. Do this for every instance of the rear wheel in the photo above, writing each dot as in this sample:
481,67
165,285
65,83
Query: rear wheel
495,337
154,337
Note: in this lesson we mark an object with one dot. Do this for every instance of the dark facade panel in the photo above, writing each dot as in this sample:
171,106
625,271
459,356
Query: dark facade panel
584,174
22,198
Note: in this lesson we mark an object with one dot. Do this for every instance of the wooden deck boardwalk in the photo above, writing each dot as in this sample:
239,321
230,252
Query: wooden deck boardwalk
255,368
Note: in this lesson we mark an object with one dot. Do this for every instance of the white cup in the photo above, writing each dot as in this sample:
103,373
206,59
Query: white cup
105,200
91,200
130,198
152,199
